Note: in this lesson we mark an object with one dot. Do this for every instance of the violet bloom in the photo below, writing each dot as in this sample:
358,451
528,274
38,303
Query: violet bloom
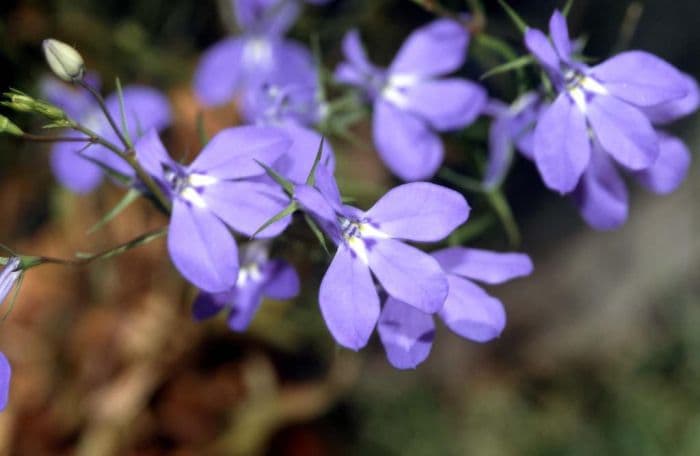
9,276
606,102
5,376
412,100
259,55
223,188
370,243
258,277
407,333
72,162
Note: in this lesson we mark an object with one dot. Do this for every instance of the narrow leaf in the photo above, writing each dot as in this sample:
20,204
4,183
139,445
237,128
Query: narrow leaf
311,178
131,196
514,17
513,65
122,113
285,212
317,232
277,177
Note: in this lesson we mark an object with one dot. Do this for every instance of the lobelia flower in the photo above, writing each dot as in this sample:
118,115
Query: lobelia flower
9,277
73,163
370,243
619,101
5,376
222,189
407,333
259,55
258,277
412,101
598,111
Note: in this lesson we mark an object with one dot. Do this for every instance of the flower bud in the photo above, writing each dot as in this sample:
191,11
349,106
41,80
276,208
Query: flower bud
7,126
64,60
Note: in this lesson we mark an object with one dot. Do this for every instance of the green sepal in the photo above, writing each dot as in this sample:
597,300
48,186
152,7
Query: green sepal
130,196
317,232
514,17
311,178
567,8
283,182
513,65
122,113
290,209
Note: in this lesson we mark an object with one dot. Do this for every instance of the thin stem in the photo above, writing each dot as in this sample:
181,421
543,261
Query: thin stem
119,249
42,138
500,205
101,102
467,183
475,24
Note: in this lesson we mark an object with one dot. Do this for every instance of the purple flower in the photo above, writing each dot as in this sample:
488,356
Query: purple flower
258,277
608,101
222,189
257,57
412,102
5,376
370,243
407,333
9,277
72,162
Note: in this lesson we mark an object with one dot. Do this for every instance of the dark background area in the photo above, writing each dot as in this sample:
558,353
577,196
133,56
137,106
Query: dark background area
601,354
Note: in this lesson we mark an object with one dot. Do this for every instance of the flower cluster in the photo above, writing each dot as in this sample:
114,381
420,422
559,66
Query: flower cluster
231,205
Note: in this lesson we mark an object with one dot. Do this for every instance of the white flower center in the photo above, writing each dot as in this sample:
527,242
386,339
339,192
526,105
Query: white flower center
395,89
359,236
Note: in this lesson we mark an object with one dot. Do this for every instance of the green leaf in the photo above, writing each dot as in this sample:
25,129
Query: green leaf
311,178
201,131
131,196
514,17
285,212
277,177
513,65
122,113
317,232
567,8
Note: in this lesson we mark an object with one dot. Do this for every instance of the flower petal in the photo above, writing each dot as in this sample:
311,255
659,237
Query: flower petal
668,112
623,132
233,152
432,50
243,302
5,376
540,46
669,170
266,16
348,299
296,164
144,108
641,78
408,274
72,170
446,104
219,72
500,152
559,32
206,305
406,333
245,206
357,67
470,312
601,195
419,211
562,147
483,265
282,282
405,143
202,248
151,153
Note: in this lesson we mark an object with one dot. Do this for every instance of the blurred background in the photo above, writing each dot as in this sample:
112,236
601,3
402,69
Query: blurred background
601,354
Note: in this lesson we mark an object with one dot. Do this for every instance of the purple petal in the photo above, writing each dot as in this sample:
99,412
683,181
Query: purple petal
219,72
432,50
233,152
673,110
669,170
282,282
500,152
601,196
408,274
144,108
246,206
539,45
202,248
623,132
151,153
72,170
470,312
419,211
296,164
641,78
5,376
206,305
406,333
268,17
357,66
446,104
74,101
562,147
405,143
559,33
314,203
483,265
348,299
244,301
9,276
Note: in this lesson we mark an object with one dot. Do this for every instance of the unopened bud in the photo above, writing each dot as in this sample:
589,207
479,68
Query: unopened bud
64,60
8,127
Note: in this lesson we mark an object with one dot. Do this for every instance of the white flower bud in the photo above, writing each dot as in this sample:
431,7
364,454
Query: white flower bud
64,60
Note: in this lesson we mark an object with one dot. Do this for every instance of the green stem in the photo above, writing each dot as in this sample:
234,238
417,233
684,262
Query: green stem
43,138
467,183
500,205
101,102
